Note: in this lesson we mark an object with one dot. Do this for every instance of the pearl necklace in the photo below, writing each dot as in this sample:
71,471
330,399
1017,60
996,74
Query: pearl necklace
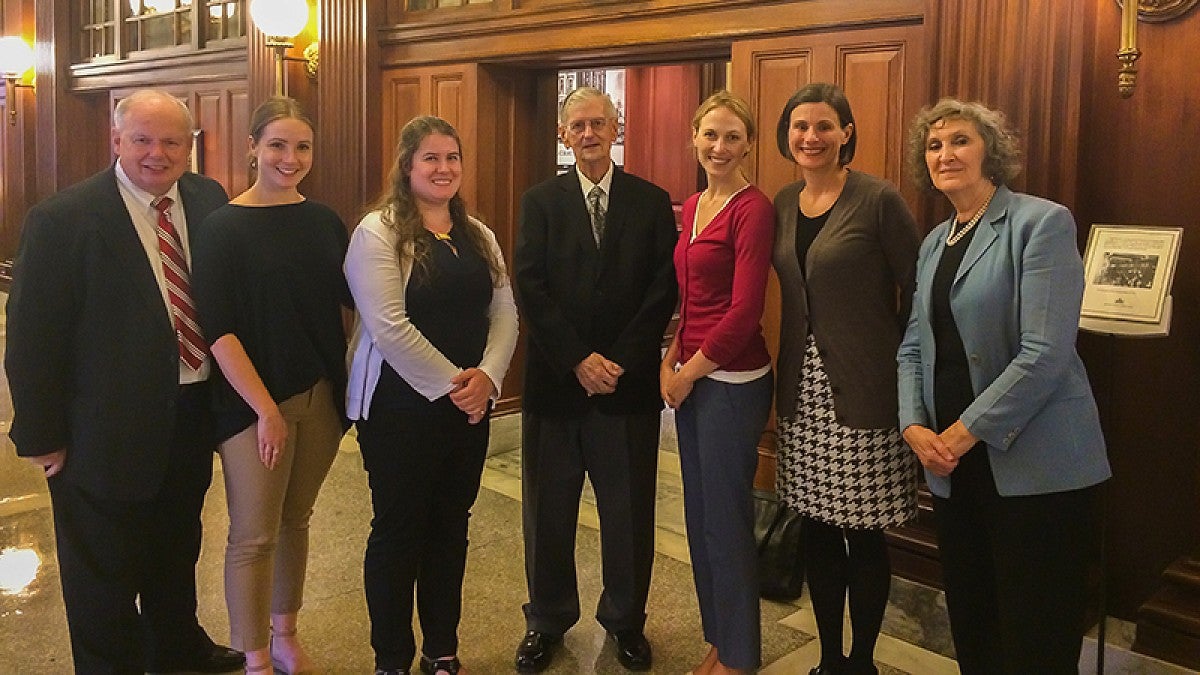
954,235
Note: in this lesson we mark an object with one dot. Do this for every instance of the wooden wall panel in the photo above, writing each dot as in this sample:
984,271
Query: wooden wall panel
239,123
873,78
347,106
766,73
1137,165
209,109
1030,68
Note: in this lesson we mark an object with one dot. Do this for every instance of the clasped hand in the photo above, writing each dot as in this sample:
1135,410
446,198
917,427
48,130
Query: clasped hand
598,375
673,386
939,453
472,390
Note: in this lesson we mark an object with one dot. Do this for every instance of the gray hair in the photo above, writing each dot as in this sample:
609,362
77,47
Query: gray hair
145,95
581,95
1002,153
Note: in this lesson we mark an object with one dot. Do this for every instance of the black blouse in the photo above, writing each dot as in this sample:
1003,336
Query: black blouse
952,391
449,308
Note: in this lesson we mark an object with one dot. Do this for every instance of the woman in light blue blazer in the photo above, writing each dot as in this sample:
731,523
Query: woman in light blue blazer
995,401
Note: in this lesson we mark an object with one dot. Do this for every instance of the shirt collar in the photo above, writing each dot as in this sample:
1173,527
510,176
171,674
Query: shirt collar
605,182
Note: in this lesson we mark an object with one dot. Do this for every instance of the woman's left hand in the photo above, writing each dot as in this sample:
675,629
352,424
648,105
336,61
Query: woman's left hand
473,389
675,388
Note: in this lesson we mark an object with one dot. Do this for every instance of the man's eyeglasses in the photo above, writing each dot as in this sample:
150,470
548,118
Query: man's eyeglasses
578,127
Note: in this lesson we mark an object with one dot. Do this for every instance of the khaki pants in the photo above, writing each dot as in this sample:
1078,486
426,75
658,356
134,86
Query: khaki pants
267,553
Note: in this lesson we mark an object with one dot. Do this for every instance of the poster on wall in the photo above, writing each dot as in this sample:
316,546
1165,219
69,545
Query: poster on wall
609,81
1128,271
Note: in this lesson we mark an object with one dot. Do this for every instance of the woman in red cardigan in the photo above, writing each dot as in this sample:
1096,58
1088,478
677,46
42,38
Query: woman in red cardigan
717,375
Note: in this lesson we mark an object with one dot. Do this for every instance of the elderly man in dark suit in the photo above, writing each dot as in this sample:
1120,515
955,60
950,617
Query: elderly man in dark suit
108,377
596,287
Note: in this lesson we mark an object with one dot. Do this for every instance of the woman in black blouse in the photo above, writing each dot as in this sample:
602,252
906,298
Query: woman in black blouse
270,291
437,329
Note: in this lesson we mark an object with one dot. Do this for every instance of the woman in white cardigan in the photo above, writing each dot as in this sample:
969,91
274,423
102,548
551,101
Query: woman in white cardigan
437,328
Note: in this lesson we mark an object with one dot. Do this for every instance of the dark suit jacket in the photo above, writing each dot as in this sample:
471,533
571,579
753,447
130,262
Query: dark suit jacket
576,300
92,358
847,297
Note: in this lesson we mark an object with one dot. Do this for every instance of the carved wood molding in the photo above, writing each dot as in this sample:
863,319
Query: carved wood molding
577,32
1158,11
186,67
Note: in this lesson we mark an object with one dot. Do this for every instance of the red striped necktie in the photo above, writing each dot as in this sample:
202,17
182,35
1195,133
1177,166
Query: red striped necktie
179,288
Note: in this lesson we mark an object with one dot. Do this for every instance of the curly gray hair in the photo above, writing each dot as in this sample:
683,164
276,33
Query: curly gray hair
1002,156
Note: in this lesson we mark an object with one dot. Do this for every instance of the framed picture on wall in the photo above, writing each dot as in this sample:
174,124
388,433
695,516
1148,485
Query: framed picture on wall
1128,271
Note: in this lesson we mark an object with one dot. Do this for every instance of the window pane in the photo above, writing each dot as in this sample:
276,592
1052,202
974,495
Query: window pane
158,31
185,27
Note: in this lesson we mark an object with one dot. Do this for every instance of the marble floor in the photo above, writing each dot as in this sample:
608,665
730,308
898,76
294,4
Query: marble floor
33,635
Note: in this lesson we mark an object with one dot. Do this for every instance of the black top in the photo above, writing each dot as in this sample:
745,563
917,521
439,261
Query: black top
807,230
952,391
450,309
272,276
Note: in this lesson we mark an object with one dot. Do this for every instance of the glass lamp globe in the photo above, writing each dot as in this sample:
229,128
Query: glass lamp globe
16,56
280,18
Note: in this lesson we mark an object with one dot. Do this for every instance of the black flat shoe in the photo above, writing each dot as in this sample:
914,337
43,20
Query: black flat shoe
218,659
536,651
449,665
633,650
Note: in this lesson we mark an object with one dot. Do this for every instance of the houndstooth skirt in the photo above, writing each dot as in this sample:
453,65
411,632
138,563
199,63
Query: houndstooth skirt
852,478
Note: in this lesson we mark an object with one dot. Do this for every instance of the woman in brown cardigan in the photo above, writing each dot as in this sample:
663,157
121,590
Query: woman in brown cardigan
845,252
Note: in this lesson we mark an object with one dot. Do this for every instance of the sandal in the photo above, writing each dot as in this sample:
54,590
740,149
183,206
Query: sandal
277,664
449,665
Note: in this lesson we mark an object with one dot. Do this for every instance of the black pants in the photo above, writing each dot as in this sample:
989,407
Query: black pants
619,454
424,470
128,568
1016,572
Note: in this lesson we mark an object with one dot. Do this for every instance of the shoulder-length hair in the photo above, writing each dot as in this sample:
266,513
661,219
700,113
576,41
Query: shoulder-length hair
1002,153
817,92
398,207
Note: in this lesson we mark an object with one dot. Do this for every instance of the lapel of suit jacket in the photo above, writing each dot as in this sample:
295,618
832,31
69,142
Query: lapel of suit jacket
986,233
618,210
193,210
116,227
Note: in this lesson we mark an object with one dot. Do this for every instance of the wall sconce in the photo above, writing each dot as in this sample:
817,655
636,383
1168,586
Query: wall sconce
1152,11
16,58
281,21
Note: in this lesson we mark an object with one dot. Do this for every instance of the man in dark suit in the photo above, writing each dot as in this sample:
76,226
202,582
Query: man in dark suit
111,401
596,286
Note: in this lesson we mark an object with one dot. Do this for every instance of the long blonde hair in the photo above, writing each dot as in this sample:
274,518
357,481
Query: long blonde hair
398,207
